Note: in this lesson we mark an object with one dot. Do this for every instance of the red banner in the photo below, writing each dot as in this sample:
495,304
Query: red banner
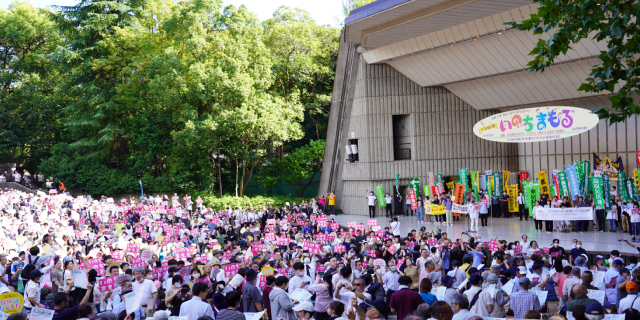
412,197
556,185
638,158
524,176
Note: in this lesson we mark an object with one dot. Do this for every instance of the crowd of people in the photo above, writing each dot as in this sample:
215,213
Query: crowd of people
621,216
85,258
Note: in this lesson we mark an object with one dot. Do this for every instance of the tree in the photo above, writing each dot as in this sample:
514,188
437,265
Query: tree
612,21
28,105
296,167
304,56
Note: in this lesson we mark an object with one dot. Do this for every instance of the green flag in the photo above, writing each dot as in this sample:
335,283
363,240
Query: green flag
414,183
564,184
462,172
380,196
622,189
497,184
606,188
598,194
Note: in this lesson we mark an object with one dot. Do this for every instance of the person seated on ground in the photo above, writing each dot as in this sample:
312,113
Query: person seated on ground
580,292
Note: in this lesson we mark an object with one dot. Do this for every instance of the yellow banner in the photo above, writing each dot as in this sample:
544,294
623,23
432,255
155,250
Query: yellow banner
544,184
490,191
450,186
434,209
512,191
505,179
635,177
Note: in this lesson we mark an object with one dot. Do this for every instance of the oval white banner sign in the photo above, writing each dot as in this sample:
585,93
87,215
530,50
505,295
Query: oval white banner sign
536,124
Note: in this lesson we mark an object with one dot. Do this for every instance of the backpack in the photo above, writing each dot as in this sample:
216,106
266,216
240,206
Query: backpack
26,272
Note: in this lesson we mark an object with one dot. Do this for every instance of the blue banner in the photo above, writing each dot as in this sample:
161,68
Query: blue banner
574,183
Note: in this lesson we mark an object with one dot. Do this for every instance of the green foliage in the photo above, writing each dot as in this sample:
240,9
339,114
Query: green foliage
614,22
216,202
299,165
106,93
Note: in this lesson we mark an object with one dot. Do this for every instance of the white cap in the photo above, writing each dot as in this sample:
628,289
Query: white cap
304,305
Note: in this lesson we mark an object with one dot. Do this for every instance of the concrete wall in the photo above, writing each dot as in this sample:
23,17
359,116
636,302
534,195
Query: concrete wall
441,136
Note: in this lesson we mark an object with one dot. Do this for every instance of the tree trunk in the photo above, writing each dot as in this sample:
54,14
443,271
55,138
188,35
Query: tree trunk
236,177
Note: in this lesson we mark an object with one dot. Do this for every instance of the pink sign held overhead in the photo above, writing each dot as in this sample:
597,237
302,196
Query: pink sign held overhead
133,248
517,250
97,265
339,248
230,270
106,284
373,222
494,246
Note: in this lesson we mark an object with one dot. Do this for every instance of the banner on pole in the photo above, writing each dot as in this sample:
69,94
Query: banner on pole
397,188
585,178
512,191
607,166
606,186
598,194
563,183
414,183
380,195
622,189
459,192
412,198
505,179
462,172
574,184
497,184
544,184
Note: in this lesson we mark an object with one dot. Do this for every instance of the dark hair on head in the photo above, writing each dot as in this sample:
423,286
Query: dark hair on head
205,318
615,252
129,272
337,306
60,298
405,281
124,264
122,315
199,287
113,268
298,266
17,316
455,263
177,278
346,271
270,280
34,251
233,298
633,259
84,310
578,311
532,314
328,278
66,264
426,285
557,264
281,280
567,269
467,259
438,308
242,271
631,314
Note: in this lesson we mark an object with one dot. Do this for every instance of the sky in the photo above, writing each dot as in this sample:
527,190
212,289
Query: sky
324,12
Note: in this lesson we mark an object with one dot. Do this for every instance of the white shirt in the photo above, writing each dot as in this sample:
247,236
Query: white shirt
459,276
372,200
295,282
346,299
32,290
395,228
387,199
631,301
390,280
147,288
195,308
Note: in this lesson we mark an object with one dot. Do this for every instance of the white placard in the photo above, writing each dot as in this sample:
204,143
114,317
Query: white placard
440,293
480,266
146,255
253,315
598,278
492,291
379,263
300,295
464,283
542,296
563,214
79,278
41,314
614,316
508,287
460,208
570,316
132,301
177,318
596,295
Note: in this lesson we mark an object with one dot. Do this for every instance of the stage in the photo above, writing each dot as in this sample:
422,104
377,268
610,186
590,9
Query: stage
509,229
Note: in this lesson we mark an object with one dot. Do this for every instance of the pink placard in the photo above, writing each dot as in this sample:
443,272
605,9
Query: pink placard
373,222
339,248
133,248
352,224
106,284
96,264
517,250
334,226
493,245
230,270
138,262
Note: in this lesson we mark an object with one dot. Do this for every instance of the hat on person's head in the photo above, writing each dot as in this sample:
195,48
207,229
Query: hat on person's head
522,270
537,266
492,277
395,219
447,281
618,262
225,262
599,257
423,311
216,252
594,308
304,305
215,262
380,305
495,268
524,282
631,286
472,270
125,291
173,269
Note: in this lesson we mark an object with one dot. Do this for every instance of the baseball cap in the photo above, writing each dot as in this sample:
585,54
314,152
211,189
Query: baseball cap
125,291
492,277
380,305
251,274
618,262
524,282
304,305
594,308
475,278
522,270
631,286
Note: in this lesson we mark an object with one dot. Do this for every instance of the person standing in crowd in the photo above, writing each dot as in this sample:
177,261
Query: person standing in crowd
332,203
504,201
474,214
388,206
420,210
408,205
371,201
398,205
521,213
495,207
523,300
